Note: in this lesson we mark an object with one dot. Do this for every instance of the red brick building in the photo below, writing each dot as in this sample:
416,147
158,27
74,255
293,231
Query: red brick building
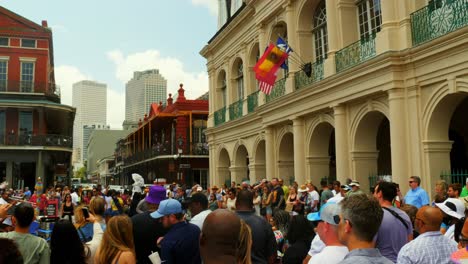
169,143
35,128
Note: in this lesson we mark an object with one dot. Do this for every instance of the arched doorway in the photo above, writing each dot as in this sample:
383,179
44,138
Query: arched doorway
321,160
286,159
371,155
222,169
240,170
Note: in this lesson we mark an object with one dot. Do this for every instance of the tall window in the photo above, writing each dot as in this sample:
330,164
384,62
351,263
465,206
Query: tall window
27,76
198,131
223,91
25,127
320,32
2,128
240,81
3,75
370,17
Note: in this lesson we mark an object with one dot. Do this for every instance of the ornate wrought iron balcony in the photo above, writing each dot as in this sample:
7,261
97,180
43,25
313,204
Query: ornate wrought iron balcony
12,86
355,53
438,18
278,90
49,140
252,101
235,110
220,116
301,80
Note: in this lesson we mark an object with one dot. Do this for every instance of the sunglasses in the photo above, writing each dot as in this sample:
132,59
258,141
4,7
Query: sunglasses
411,181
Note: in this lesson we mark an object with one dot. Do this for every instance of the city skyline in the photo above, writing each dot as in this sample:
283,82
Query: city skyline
109,50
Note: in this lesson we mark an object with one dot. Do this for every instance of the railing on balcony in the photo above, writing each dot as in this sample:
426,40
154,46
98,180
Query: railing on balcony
49,140
302,80
235,110
278,90
355,53
12,86
200,148
220,116
438,18
252,101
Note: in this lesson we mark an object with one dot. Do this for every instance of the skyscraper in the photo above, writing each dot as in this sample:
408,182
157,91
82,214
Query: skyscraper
90,100
144,88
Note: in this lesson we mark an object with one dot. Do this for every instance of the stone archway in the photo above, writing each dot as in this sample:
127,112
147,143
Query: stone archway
222,168
257,167
286,158
321,159
240,168
371,154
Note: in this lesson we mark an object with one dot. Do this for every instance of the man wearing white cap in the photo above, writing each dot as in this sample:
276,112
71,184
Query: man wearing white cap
327,230
355,188
453,210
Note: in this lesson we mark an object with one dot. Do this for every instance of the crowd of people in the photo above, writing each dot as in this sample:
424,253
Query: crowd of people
266,222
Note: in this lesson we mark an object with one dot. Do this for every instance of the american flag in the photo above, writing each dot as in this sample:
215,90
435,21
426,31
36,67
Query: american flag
265,87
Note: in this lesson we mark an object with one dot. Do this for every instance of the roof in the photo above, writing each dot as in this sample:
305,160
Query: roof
22,23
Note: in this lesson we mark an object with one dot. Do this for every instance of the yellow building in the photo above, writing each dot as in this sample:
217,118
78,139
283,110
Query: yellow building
388,94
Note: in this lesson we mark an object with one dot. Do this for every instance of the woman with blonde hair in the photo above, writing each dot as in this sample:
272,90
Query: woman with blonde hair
83,226
117,244
245,244
96,216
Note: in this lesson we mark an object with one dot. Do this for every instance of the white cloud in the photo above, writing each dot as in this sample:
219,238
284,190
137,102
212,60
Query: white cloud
212,5
195,83
65,77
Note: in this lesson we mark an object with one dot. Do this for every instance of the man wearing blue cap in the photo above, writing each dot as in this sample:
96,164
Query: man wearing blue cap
180,244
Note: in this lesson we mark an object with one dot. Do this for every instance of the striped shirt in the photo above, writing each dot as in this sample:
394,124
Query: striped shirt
428,248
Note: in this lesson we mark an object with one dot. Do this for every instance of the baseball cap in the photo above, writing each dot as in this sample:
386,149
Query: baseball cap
156,194
167,207
346,187
453,207
354,183
330,213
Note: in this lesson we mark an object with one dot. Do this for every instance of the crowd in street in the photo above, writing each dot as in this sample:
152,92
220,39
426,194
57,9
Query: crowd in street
265,222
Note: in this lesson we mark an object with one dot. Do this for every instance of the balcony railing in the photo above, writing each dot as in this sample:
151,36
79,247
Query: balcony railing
438,18
252,101
200,148
235,110
278,90
49,140
12,86
302,80
355,53
220,116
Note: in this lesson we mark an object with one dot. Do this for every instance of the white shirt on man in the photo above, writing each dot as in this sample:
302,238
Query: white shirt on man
329,255
199,219
315,197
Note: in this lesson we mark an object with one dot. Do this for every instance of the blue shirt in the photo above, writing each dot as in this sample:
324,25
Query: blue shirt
417,197
180,244
86,232
428,248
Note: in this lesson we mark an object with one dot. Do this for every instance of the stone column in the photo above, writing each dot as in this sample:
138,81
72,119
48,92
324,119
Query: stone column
399,150
364,165
299,150
333,32
40,168
223,175
341,143
213,175
257,172
238,173
292,42
437,159
269,153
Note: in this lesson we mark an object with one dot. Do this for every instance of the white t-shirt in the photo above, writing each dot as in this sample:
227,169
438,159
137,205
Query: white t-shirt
315,197
316,246
199,219
450,233
330,255
74,198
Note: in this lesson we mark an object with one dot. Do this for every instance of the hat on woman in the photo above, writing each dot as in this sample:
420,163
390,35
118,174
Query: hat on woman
303,188
453,207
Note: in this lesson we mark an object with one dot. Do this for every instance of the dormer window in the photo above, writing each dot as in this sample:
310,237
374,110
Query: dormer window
28,43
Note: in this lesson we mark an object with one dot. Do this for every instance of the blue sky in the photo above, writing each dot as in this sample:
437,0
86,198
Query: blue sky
106,41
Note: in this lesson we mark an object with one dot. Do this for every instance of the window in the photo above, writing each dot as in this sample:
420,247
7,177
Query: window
2,128
370,17
25,126
4,41
240,81
27,76
320,32
223,91
3,75
28,43
200,177
198,131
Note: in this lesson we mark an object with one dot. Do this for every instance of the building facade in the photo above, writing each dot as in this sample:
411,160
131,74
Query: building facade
35,128
90,100
87,130
385,96
145,88
169,143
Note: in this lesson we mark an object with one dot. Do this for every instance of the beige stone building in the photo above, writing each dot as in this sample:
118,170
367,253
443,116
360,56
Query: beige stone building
387,94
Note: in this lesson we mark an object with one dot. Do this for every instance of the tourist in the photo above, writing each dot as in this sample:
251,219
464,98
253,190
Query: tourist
299,235
230,199
291,200
83,226
416,196
326,193
96,216
198,206
454,190
355,188
10,253
117,242
314,196
266,203
67,208
453,211
278,196
65,244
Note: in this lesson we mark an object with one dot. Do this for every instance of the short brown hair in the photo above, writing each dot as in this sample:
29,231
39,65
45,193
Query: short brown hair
456,187
364,213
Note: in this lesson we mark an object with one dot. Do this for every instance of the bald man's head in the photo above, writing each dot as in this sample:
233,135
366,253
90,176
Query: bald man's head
220,234
431,218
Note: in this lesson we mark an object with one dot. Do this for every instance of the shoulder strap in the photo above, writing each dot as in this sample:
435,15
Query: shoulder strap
82,234
397,216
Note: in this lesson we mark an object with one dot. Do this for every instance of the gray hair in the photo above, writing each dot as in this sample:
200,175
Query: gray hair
417,179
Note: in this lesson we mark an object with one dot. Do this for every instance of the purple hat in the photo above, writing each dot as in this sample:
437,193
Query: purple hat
156,194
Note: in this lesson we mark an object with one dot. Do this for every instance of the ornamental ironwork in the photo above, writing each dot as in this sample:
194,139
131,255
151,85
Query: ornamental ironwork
301,80
252,101
220,116
278,90
355,53
235,110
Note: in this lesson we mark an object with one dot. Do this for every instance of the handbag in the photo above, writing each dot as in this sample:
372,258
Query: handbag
289,207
